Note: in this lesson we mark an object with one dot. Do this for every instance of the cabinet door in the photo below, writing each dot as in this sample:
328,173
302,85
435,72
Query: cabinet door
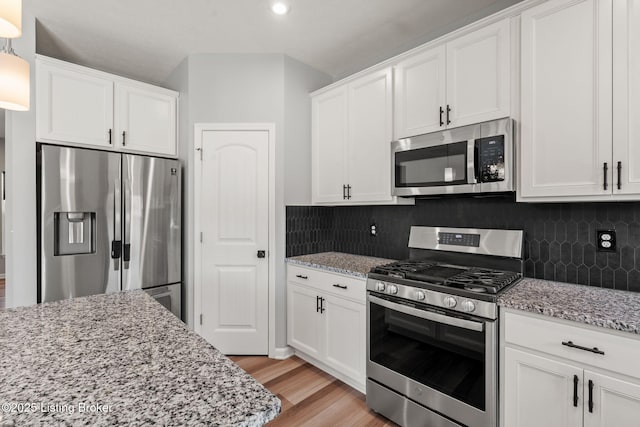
479,75
146,120
73,106
540,392
304,322
345,335
369,137
626,96
566,134
420,93
615,402
329,139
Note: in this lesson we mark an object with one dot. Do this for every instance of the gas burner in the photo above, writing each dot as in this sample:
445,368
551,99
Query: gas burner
483,280
403,269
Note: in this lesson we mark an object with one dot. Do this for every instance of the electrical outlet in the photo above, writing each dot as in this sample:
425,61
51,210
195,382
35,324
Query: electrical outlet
373,230
606,240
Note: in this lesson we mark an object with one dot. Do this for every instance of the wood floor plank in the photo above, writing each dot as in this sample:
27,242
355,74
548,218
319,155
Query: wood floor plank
309,396
300,383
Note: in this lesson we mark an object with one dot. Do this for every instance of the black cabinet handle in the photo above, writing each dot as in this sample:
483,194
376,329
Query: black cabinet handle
448,112
344,192
317,304
591,396
322,305
619,175
348,192
300,276
441,113
575,391
579,347
124,136
339,286
109,136
605,168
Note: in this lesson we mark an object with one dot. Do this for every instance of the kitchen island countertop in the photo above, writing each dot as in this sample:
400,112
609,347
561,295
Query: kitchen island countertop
338,262
119,359
606,308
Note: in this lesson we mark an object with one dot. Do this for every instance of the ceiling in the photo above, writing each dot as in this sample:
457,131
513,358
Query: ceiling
147,39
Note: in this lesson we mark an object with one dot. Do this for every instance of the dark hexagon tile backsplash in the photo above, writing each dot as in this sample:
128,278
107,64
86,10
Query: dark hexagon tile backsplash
560,238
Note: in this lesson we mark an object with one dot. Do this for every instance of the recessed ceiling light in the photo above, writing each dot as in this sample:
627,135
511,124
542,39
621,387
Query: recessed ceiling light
280,8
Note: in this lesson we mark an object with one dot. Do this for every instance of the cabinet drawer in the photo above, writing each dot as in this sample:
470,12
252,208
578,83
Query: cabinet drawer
332,283
620,353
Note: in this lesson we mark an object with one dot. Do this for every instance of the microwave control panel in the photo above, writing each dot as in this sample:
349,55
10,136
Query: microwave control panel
490,159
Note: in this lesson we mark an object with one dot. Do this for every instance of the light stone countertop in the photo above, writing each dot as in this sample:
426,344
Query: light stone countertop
606,308
126,352
338,262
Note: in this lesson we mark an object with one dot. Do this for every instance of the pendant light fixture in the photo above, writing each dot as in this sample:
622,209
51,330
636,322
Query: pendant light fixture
10,18
14,71
14,80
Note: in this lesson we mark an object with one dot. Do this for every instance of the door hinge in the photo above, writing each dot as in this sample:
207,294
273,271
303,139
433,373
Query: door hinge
200,150
201,318
201,238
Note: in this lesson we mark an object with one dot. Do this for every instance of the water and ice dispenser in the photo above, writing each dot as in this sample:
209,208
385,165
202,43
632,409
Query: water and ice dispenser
75,233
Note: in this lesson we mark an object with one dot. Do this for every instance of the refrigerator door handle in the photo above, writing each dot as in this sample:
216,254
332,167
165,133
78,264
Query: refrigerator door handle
126,253
116,244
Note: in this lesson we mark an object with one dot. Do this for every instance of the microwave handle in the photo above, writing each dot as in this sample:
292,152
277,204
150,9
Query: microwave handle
472,162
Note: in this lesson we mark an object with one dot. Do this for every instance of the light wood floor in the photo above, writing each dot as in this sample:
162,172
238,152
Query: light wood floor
309,396
2,297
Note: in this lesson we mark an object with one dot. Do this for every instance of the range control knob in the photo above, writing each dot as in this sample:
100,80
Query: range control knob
392,289
449,302
380,286
420,296
467,306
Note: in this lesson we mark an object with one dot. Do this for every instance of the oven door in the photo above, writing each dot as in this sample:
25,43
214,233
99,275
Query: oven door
445,362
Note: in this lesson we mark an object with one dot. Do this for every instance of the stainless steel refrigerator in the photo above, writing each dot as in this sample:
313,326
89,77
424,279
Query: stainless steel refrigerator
108,222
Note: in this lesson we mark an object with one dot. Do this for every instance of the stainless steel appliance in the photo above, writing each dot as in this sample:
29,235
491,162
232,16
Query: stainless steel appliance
432,327
107,222
469,159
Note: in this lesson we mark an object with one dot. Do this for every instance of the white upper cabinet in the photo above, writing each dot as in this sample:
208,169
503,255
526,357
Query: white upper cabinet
370,134
465,81
566,99
351,142
73,106
580,101
146,119
626,96
78,105
420,93
329,140
479,75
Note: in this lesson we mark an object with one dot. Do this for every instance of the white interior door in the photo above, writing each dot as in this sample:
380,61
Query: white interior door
234,221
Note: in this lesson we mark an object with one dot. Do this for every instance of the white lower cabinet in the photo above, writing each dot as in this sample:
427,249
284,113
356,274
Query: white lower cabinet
326,315
548,383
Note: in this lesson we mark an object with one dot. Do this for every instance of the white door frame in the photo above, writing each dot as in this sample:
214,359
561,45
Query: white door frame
199,128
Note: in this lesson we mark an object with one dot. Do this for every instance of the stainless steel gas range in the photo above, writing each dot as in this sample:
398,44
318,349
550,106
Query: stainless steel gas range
432,327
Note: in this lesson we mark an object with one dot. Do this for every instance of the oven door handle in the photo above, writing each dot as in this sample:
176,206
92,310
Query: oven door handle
428,315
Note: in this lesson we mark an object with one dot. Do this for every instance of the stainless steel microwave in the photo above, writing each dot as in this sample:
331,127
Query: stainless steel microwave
469,159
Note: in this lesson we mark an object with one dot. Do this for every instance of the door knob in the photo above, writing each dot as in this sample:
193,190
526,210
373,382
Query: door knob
262,254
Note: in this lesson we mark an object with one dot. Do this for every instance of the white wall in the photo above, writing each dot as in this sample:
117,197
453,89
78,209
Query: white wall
20,155
250,88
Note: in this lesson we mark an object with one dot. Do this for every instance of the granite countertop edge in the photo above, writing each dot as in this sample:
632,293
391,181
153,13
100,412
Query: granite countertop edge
605,308
339,262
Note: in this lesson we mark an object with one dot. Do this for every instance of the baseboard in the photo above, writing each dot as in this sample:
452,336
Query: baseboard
281,353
